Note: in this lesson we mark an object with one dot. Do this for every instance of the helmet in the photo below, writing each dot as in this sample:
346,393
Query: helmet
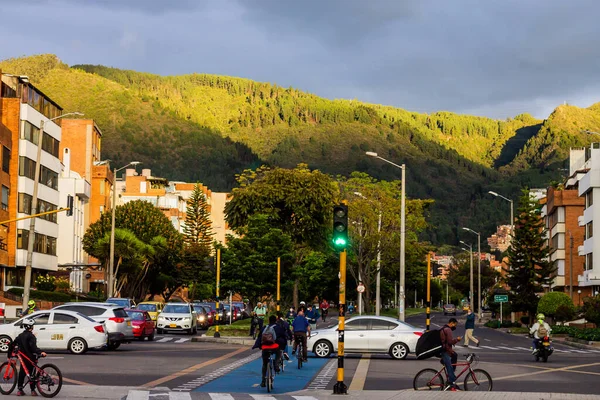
541,317
302,303
28,323
31,303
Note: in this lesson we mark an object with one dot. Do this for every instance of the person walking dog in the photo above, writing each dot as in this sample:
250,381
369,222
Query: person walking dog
469,327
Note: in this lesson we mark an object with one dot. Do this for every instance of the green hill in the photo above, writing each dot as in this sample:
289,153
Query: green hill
207,128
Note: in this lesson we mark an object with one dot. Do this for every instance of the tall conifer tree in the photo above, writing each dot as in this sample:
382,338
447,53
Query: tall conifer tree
198,229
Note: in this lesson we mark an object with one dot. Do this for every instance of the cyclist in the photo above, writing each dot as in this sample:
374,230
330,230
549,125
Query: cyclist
267,342
261,313
324,309
539,330
286,334
302,306
301,328
27,344
449,356
291,314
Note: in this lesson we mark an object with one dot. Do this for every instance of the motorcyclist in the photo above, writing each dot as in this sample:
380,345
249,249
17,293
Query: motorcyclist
539,330
27,344
31,308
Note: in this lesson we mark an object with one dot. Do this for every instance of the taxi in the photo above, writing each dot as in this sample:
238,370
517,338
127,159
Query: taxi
58,330
151,307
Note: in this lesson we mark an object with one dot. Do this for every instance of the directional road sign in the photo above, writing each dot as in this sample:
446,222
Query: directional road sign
501,298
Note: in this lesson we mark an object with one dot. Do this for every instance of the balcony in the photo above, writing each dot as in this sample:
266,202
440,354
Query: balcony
580,220
581,250
83,189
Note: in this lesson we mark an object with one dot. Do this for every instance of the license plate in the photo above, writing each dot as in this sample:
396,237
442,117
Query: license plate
173,326
546,344
128,323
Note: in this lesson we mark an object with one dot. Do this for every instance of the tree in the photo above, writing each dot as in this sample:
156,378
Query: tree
198,227
528,266
552,301
459,276
298,201
249,263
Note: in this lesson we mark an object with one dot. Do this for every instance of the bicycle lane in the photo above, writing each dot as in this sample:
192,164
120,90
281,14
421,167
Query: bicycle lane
246,379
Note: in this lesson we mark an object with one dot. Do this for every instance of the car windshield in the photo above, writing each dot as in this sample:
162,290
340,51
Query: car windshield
147,307
449,305
136,315
119,302
176,309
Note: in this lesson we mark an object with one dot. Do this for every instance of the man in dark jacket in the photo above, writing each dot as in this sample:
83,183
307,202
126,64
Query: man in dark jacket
449,356
27,344
286,334
469,327
274,330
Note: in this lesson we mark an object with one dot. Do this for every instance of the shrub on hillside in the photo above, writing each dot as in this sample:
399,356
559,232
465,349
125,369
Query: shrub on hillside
550,302
591,309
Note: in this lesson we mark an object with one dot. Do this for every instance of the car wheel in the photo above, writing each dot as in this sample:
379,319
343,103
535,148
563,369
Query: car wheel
5,342
399,351
322,349
151,337
78,346
114,345
159,331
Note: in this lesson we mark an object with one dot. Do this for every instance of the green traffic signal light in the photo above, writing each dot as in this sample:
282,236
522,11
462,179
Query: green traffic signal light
340,226
339,242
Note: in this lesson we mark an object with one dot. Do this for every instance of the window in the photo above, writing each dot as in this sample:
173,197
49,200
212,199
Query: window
589,230
5,159
120,312
101,209
102,189
41,319
47,176
50,144
380,325
42,243
24,206
4,197
64,319
30,132
589,198
357,325
589,261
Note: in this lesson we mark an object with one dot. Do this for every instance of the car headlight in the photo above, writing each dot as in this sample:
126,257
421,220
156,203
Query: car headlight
228,313
186,318
161,318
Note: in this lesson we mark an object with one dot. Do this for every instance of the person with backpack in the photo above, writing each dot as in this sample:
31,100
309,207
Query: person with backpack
539,330
469,327
267,342
301,327
449,356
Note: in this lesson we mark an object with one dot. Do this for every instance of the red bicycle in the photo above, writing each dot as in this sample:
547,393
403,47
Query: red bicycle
47,378
476,379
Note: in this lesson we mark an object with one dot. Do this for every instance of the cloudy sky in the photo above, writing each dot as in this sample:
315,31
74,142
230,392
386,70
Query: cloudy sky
497,58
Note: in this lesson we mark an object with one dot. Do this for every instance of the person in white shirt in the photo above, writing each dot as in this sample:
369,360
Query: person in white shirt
539,330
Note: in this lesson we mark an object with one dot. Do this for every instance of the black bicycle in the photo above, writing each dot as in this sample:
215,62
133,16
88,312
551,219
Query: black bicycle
299,351
270,372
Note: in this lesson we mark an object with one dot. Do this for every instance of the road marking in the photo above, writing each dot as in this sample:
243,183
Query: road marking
262,397
182,340
324,377
522,348
76,382
137,395
53,358
220,396
193,368
579,351
487,340
164,340
564,369
304,398
179,396
360,375
507,348
488,347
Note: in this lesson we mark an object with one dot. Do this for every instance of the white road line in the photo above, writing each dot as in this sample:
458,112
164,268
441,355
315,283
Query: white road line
262,397
179,396
594,351
304,398
164,340
183,340
138,395
522,348
580,351
488,340
562,351
53,358
507,348
489,347
220,396
324,377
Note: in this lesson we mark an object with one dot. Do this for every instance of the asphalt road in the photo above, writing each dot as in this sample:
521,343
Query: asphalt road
177,363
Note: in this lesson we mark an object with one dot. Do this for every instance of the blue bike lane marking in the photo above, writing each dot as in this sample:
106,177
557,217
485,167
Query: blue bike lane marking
246,379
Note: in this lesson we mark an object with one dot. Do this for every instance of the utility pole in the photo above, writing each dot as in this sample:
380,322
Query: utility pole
278,281
571,267
428,310
217,334
378,287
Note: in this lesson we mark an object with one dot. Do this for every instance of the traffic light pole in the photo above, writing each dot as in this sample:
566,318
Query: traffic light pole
278,281
428,311
217,334
340,387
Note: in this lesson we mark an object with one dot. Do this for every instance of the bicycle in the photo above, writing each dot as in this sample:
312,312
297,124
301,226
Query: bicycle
430,379
270,378
299,351
281,362
47,378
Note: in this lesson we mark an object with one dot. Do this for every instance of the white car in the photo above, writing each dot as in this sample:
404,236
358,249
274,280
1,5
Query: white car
177,317
58,330
368,334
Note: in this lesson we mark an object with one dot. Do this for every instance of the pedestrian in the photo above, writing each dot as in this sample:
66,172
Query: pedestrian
469,327
261,313
449,356
312,316
324,309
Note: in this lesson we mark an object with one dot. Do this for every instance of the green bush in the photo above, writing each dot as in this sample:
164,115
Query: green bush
494,323
564,313
562,329
551,301
591,309
591,334
43,295
45,283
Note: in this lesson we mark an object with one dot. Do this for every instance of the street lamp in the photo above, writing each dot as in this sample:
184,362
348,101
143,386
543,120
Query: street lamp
579,297
402,271
34,207
471,275
512,221
378,284
478,269
111,267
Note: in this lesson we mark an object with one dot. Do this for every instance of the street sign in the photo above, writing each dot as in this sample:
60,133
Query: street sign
501,298
360,288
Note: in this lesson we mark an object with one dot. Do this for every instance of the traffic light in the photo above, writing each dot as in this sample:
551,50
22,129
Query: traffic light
340,226
69,205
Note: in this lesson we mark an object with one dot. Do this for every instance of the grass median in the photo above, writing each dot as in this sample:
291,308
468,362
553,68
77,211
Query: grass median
237,329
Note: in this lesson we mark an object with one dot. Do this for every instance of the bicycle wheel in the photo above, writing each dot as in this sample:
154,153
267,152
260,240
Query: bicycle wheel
281,363
299,355
49,380
478,379
8,377
270,376
428,379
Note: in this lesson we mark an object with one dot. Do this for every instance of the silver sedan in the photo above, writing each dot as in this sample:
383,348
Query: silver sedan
368,334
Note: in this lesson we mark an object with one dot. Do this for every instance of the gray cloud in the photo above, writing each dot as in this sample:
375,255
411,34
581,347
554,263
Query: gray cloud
494,58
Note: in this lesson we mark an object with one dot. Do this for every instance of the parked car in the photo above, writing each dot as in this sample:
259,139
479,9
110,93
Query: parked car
232,312
211,313
123,302
243,309
116,321
58,330
213,306
151,307
449,309
202,315
368,334
177,317
143,326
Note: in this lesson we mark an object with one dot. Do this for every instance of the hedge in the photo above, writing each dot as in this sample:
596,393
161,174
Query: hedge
43,295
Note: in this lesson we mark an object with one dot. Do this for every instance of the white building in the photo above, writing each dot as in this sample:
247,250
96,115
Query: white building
72,228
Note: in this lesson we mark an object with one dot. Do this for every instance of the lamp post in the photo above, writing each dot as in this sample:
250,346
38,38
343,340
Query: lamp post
478,269
111,267
512,221
402,271
471,274
578,297
34,207
378,284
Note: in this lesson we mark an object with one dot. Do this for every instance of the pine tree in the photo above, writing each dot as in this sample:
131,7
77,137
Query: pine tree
197,229
529,266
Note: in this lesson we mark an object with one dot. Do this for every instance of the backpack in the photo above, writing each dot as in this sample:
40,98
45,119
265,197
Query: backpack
268,336
542,331
429,345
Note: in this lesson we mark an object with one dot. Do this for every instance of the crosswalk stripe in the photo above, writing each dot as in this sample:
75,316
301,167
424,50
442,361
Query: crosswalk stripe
163,340
507,348
262,397
179,396
522,348
489,347
138,395
304,398
562,351
220,396
183,340
579,351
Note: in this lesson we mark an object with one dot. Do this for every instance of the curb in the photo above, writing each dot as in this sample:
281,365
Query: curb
224,339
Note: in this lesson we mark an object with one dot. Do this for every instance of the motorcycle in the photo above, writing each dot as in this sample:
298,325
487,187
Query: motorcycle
544,349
